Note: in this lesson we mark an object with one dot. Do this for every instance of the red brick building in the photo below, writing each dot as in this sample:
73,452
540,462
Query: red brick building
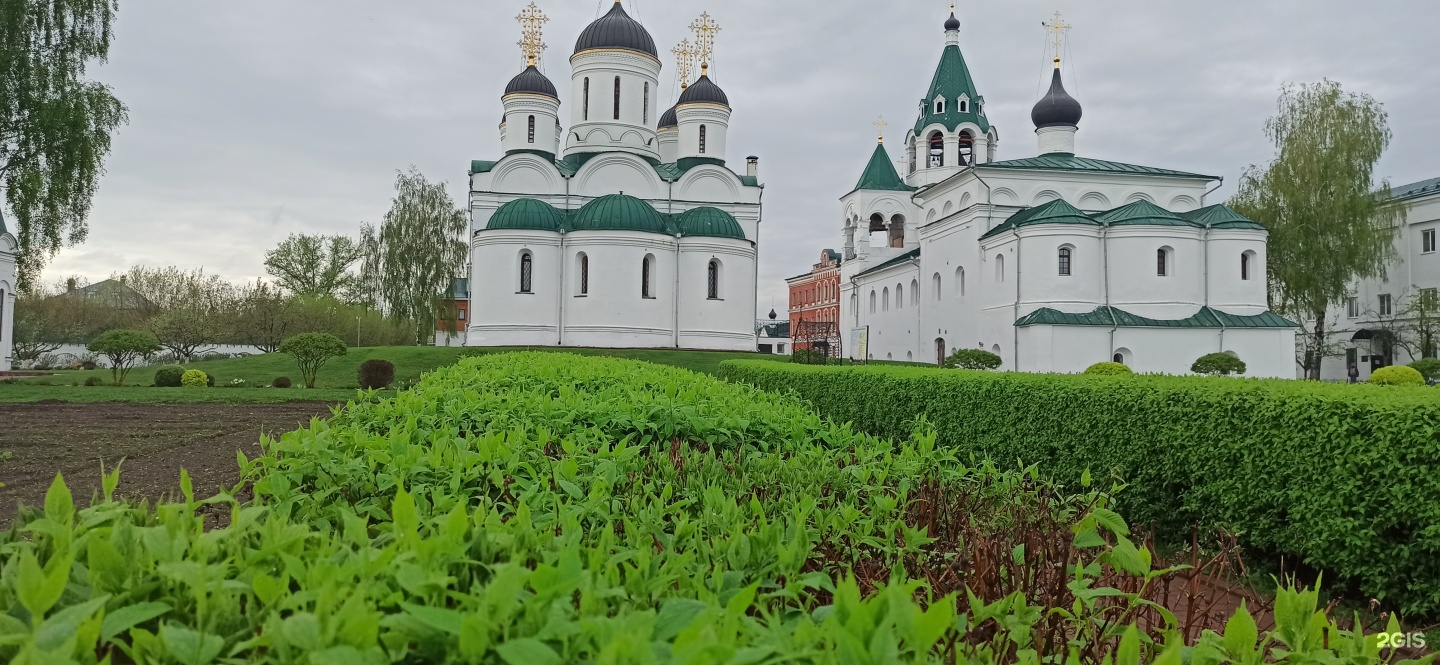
815,295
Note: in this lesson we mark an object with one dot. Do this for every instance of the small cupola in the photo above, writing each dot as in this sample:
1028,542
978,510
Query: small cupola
1056,117
616,30
704,91
532,82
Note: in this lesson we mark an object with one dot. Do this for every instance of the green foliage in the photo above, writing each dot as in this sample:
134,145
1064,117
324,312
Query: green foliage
124,348
195,378
375,374
1218,364
543,508
281,382
94,381
315,265
1397,375
1428,368
1109,369
169,376
311,351
1294,466
810,357
978,359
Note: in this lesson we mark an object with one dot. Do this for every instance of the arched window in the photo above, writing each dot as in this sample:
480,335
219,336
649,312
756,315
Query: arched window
702,139
2,315
999,268
582,274
1119,359
885,300
967,148
1123,356
960,282
647,271
617,97
713,279
936,285
1162,262
585,103
964,106
872,301
645,110
899,296
909,356
915,292
939,106
939,350
1246,264
937,149
527,272
1064,261
532,129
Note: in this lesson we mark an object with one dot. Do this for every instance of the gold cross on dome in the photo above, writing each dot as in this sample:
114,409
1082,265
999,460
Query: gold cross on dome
880,125
1058,29
705,29
684,61
532,22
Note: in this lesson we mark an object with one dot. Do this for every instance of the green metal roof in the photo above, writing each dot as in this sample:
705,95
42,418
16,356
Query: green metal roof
777,330
481,166
1109,316
907,256
1054,212
527,215
1060,161
1143,213
569,165
1220,216
619,212
834,256
952,79
1416,189
880,174
709,223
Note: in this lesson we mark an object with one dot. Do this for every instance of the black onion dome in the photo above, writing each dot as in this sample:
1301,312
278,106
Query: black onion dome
617,30
1057,108
668,119
952,24
531,82
704,91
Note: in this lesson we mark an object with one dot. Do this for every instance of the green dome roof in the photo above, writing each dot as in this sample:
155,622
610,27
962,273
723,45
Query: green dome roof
710,223
527,215
618,212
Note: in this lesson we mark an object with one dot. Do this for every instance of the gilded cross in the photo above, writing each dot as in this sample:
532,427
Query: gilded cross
684,61
880,126
1058,28
532,21
705,29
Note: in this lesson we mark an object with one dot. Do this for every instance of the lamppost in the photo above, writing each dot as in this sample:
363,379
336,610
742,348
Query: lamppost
357,332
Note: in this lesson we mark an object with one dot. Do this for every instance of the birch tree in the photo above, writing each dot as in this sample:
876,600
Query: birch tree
418,251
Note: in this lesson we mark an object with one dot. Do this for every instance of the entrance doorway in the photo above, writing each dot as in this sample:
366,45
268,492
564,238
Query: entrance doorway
940,351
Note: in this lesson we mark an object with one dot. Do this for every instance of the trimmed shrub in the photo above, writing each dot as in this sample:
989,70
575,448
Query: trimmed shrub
280,382
194,378
973,359
94,381
1428,368
124,348
1218,364
169,376
1341,478
1397,375
311,351
1109,369
376,374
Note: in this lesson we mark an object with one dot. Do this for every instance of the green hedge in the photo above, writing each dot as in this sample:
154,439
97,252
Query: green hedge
1344,478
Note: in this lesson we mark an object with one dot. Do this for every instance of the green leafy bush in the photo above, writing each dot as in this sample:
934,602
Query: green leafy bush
1428,368
281,382
169,376
809,357
1397,375
194,378
94,381
1109,369
376,374
1218,364
978,359
124,348
312,351
1298,467
540,508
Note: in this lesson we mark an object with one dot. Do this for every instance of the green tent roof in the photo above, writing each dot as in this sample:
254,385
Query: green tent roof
952,79
880,174
527,215
1139,213
1143,213
1054,212
1060,161
1110,316
1220,216
709,222
618,212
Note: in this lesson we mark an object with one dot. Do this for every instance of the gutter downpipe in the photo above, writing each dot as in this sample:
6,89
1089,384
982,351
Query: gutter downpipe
759,218
1114,324
560,299
990,219
1205,253
675,293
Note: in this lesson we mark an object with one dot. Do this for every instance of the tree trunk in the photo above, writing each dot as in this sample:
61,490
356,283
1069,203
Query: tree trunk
1317,347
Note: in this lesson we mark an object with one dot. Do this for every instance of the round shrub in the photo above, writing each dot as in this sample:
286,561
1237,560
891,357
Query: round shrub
1108,369
94,381
973,359
1428,368
281,382
169,376
376,374
1397,375
194,378
1218,364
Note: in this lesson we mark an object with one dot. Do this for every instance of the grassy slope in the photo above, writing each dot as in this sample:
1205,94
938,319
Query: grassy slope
336,381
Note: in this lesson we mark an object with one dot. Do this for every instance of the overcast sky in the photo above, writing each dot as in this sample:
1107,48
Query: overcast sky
253,120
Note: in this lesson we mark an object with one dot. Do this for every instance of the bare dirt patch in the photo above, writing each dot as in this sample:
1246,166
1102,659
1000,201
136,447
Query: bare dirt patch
41,439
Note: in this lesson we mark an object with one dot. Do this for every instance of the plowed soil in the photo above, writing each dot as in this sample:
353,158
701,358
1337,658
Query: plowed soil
155,441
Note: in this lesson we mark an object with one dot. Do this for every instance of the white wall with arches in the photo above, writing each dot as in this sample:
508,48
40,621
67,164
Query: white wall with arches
8,283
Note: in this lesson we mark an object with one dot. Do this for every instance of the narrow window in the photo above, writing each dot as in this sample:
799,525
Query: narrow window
915,292
936,281
1427,241
585,104
645,291
2,314
967,148
702,139
999,267
1352,307
714,280
526,272
1162,262
885,300
872,301
960,282
1387,306
532,129
964,106
645,110
937,150
584,275
1064,261
939,106
1245,266
617,97
899,296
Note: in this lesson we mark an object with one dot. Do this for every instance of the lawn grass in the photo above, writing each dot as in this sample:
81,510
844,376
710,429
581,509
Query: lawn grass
336,381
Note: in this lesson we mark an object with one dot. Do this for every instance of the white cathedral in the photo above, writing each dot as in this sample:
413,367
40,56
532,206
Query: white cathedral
1053,262
624,229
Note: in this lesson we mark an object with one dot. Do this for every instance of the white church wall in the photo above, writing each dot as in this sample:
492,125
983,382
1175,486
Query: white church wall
522,173
895,321
716,121
500,314
612,312
1135,283
515,131
949,251
1071,349
1229,290
711,184
1042,285
725,323
614,173
7,302
593,126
